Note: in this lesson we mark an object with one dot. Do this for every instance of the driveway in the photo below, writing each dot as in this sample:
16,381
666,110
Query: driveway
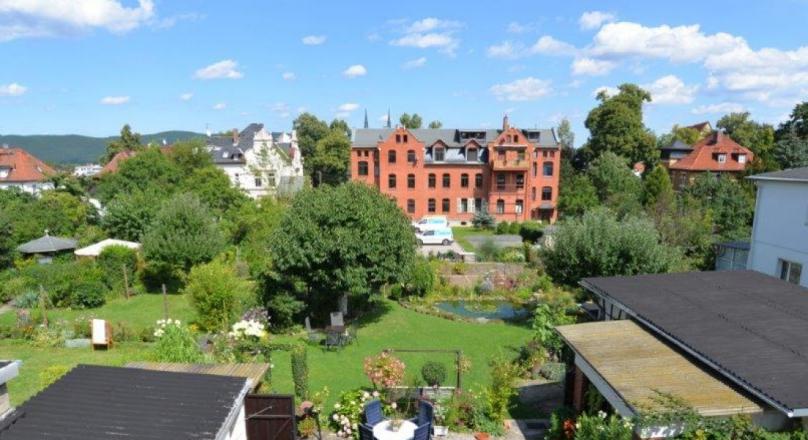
435,249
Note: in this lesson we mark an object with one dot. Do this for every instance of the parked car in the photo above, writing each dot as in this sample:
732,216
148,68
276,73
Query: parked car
431,222
442,236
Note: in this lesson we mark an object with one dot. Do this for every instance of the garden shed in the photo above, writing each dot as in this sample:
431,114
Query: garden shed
94,250
47,246
253,371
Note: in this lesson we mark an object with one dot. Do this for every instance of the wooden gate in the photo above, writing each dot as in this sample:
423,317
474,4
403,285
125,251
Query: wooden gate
270,417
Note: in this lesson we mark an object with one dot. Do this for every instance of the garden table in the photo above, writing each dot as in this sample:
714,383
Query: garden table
383,431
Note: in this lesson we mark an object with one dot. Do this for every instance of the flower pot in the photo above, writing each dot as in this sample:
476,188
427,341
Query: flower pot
441,431
482,436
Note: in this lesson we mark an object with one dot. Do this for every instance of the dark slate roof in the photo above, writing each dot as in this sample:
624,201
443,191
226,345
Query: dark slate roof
745,325
452,137
789,175
223,151
47,244
678,145
95,402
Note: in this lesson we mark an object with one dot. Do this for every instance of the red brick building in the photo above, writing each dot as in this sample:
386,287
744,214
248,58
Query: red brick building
717,153
512,173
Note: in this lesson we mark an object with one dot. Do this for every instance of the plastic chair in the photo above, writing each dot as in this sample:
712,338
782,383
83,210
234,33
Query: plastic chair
421,433
365,432
373,413
425,414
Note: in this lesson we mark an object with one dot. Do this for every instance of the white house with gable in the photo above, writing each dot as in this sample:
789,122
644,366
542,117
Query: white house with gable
258,161
779,245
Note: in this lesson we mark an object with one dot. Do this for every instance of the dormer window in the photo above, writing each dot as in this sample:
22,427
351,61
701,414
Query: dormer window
471,155
4,172
439,154
225,155
722,158
741,158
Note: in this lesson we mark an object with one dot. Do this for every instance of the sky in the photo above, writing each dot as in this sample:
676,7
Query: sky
90,66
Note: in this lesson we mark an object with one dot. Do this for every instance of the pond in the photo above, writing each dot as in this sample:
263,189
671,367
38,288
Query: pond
502,310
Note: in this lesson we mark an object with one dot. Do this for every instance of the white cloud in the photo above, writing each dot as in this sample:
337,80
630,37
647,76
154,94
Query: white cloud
594,19
383,118
281,109
114,100
670,89
610,91
430,33
525,89
288,76
416,63
227,69
591,66
506,50
548,45
518,28
219,106
348,107
186,96
41,18
355,71
12,89
720,108
313,40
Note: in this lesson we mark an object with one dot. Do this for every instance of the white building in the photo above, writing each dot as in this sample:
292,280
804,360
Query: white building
779,245
87,170
20,169
258,161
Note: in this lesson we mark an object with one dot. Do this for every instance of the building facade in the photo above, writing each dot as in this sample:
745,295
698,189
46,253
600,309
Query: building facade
717,154
511,173
779,244
20,169
258,161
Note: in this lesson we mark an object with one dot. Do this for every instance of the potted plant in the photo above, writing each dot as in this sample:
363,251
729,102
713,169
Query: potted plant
440,429
434,374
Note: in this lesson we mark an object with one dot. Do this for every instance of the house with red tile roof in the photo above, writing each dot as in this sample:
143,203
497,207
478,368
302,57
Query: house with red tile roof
717,154
20,169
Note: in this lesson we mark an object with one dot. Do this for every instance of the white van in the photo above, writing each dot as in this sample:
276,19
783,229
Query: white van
442,236
431,222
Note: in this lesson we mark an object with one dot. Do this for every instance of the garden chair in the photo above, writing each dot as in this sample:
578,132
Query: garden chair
425,414
101,334
373,413
314,336
333,340
365,432
337,320
422,432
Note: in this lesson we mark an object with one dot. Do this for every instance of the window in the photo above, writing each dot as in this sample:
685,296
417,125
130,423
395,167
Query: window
398,138
500,181
501,154
271,178
520,181
411,181
431,205
790,271
464,180
547,193
444,205
533,193
741,158
478,180
547,169
258,182
391,181
520,155
391,156
500,206
405,138
722,158
478,205
411,206
535,169
439,155
471,155
431,180
464,205
520,204
447,180
363,168
411,156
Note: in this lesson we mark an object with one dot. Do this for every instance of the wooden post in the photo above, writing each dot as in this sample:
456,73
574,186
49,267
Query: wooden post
43,305
459,368
165,303
125,282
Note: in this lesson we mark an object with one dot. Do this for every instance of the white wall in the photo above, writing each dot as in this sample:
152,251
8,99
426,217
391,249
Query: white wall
29,187
781,227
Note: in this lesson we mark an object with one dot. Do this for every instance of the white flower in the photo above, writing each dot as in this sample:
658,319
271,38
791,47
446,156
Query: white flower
601,414
337,406
375,393
365,395
393,405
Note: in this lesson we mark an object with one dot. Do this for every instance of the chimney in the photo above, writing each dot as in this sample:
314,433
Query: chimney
235,137
8,371
505,124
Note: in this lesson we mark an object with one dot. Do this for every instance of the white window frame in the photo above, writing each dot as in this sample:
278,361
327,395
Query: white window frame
786,270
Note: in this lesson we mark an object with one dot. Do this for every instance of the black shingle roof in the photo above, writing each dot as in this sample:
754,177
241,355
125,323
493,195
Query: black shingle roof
95,402
748,326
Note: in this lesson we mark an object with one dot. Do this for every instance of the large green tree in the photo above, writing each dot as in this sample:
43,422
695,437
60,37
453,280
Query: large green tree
435,124
612,178
598,244
330,161
410,121
149,170
214,189
332,241
310,130
657,185
576,195
797,122
128,141
756,136
791,151
128,215
731,204
616,125
683,222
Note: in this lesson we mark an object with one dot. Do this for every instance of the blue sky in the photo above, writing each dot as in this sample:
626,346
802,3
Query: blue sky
89,66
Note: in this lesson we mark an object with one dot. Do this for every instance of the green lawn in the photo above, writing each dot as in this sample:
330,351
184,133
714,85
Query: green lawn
461,234
138,312
340,370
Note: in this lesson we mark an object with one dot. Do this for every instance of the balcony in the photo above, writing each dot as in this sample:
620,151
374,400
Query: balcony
511,165
510,188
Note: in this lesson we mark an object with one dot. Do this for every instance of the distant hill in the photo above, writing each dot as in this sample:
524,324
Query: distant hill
77,149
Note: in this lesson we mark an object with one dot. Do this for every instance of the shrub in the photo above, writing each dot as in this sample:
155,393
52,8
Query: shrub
47,337
513,228
503,227
112,261
216,293
511,255
27,300
553,371
51,374
420,279
88,295
300,372
307,427
61,279
603,427
348,410
482,219
499,393
384,370
487,250
545,320
531,231
284,308
434,373
175,343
